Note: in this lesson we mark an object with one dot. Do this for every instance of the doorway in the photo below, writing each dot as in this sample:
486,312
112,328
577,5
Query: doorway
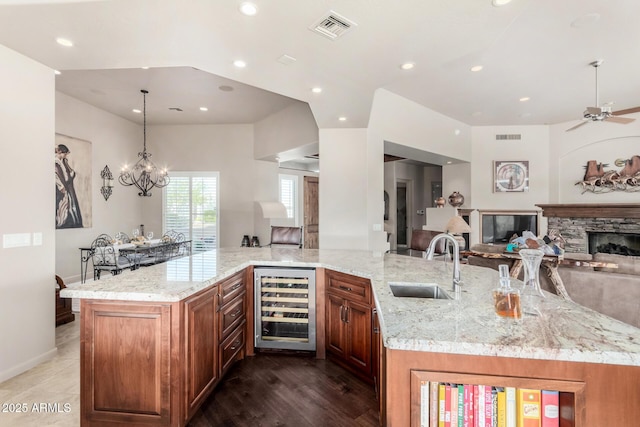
401,214
311,216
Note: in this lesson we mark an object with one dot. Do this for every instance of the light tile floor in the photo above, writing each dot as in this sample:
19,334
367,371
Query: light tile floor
50,392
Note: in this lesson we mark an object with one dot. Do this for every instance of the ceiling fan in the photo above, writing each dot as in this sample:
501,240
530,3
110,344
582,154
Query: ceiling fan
603,113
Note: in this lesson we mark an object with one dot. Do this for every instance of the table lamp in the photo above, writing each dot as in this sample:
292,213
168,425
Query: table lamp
456,226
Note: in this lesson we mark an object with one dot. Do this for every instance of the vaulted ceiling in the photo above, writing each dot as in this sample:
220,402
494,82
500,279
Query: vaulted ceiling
536,49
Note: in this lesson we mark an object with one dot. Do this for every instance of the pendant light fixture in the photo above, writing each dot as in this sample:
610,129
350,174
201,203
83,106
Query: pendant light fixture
144,174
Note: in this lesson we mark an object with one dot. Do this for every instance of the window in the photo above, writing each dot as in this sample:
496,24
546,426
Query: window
191,207
289,195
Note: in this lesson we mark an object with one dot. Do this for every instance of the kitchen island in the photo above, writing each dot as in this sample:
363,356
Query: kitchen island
593,360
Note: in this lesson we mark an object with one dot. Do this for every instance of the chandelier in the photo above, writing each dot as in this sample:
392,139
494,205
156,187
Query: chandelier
144,174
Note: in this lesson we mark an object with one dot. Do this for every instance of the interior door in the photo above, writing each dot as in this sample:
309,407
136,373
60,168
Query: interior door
311,215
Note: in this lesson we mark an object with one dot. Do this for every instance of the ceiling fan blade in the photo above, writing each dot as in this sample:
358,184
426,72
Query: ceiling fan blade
578,125
594,110
627,111
615,119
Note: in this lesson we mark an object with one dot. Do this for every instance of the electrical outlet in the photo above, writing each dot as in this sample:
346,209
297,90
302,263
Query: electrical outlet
420,212
377,227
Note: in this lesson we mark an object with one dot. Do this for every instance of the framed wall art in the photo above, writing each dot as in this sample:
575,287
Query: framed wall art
73,182
510,176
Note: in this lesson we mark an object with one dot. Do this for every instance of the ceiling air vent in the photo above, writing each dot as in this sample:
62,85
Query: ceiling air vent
332,25
507,136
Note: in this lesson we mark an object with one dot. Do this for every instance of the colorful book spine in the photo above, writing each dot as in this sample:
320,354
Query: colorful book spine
433,402
476,404
550,403
480,407
454,405
502,407
511,407
488,406
460,405
447,405
425,390
441,391
528,403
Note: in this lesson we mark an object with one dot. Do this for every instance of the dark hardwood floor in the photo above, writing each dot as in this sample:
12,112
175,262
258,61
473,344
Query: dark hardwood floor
283,390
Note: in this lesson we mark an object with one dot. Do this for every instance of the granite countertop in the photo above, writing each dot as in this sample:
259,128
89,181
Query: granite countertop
560,330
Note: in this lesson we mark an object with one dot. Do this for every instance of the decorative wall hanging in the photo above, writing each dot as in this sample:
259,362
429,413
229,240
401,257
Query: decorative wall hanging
73,182
598,180
510,176
107,182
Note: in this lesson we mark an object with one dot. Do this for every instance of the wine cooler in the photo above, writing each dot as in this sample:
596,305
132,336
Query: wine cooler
285,302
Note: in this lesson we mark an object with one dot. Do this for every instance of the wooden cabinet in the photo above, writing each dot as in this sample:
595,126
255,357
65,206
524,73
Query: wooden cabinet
202,370
232,320
146,363
349,322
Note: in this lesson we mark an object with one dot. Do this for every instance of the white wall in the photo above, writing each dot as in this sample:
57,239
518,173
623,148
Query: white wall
603,142
343,189
227,149
27,197
115,142
288,129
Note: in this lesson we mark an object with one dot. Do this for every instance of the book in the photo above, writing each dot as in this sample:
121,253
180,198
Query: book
550,404
510,409
425,392
433,402
476,404
460,405
447,405
488,406
441,390
528,407
502,407
494,406
454,405
480,407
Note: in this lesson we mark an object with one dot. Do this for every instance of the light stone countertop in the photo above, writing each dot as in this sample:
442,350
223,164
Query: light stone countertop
561,330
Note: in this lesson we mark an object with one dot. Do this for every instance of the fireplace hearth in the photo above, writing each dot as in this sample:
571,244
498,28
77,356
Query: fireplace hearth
577,222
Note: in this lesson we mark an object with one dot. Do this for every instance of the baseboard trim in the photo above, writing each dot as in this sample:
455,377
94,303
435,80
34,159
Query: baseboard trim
25,366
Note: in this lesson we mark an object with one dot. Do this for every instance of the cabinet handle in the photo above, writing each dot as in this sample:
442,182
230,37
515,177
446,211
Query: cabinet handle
342,313
346,288
235,345
346,315
234,314
236,286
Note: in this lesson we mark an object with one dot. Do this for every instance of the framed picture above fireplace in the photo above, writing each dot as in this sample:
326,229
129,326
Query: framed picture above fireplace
510,176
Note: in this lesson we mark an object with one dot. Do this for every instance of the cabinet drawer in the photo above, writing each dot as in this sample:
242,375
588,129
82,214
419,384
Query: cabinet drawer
231,347
232,315
231,287
351,287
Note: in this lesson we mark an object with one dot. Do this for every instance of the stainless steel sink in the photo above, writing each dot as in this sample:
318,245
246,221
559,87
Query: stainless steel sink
418,290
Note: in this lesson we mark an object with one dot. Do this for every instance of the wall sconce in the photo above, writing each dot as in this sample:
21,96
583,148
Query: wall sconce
107,182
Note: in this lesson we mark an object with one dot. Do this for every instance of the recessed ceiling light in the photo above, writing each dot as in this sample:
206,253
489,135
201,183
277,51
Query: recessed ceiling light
498,3
342,118
225,88
204,109
456,132
449,162
239,63
135,110
524,99
248,9
64,42
316,90
407,65
145,68
476,68
56,72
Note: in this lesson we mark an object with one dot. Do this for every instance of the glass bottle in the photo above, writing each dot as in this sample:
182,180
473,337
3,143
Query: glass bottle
531,293
506,300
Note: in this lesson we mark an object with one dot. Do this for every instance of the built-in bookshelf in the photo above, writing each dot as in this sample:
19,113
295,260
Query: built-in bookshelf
428,403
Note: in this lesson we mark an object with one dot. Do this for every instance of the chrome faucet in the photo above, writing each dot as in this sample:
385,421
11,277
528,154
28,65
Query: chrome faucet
457,283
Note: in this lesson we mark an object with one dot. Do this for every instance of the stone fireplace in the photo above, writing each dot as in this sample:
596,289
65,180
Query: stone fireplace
614,224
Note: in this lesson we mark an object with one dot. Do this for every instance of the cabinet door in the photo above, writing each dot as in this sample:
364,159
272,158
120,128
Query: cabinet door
202,347
335,327
358,321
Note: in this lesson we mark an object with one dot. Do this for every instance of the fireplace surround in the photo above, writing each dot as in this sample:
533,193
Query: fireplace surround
576,221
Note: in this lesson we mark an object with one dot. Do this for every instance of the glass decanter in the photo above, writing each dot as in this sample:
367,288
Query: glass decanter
531,292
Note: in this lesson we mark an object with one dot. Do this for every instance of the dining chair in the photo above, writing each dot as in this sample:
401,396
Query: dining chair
420,240
105,257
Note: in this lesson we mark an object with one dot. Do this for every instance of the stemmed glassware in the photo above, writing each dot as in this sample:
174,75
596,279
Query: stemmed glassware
150,235
135,233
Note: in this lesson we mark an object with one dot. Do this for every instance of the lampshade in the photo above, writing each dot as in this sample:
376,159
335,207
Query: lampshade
457,225
273,210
